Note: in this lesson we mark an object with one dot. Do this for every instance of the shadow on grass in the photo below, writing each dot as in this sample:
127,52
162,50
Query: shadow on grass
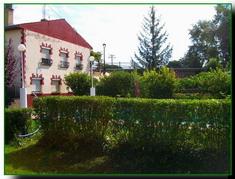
41,160
36,159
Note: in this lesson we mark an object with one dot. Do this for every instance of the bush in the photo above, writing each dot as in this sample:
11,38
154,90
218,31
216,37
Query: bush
158,84
212,64
17,121
141,122
217,83
118,83
79,83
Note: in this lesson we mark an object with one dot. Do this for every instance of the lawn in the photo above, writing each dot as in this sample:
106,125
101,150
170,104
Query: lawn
35,159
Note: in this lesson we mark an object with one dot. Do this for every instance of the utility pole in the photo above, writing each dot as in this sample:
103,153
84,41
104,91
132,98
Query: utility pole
112,57
44,12
104,45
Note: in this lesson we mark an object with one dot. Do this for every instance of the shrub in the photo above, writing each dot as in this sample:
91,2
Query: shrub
217,83
158,84
79,83
17,121
212,64
118,83
140,122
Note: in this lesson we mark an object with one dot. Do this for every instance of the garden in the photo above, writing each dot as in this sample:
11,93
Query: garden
150,123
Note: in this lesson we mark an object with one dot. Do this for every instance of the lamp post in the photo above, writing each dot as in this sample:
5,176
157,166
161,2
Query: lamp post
92,89
104,45
23,90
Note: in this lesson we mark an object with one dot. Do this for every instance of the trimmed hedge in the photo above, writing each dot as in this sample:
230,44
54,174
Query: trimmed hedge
17,121
140,122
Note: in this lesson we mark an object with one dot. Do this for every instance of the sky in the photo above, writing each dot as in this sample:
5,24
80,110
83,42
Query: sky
119,25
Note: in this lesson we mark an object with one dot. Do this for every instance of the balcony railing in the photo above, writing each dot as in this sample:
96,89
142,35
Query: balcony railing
46,62
79,66
64,64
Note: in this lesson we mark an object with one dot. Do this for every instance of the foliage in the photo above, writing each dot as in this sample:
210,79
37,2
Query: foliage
118,83
153,50
223,22
17,121
192,96
11,65
158,84
79,83
212,64
174,64
124,127
97,56
210,39
215,82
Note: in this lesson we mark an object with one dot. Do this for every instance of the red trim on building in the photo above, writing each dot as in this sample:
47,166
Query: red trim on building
30,97
64,50
37,76
78,54
55,77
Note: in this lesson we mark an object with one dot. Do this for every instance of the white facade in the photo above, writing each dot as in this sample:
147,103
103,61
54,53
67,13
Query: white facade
34,70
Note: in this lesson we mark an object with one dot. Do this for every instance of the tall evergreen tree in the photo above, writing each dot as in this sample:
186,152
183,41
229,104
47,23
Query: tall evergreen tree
153,50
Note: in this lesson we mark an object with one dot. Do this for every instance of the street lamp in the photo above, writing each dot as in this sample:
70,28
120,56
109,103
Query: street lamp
92,89
23,90
104,45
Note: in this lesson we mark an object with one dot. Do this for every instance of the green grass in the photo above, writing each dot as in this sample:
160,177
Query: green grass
35,159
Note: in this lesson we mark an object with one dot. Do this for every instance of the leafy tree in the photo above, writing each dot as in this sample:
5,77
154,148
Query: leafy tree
97,56
222,20
210,39
153,50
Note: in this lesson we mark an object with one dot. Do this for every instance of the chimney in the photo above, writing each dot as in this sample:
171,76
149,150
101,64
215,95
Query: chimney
8,15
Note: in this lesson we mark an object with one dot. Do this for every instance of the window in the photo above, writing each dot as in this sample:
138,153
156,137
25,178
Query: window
46,59
64,60
79,64
36,83
45,53
55,86
78,60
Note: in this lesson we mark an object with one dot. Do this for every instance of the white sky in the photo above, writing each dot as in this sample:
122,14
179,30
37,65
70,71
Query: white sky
119,25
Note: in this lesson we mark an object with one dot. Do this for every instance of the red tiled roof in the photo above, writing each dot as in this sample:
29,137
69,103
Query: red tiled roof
59,29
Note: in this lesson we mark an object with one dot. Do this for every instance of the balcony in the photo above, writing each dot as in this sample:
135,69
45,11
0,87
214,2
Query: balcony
46,62
64,64
79,66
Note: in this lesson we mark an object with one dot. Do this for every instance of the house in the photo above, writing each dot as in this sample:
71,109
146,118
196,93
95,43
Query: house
53,50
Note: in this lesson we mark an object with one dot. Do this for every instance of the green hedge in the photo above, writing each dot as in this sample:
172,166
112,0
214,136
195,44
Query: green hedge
194,123
17,121
217,83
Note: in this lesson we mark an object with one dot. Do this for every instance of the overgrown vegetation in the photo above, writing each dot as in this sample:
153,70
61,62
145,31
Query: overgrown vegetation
17,121
216,83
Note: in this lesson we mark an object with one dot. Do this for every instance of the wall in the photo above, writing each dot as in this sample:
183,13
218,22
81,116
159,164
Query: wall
33,57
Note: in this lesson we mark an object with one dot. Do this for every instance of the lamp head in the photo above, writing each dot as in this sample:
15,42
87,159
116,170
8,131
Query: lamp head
91,58
21,48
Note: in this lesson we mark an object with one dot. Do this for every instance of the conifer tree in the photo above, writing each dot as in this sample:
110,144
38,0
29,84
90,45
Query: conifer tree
153,50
